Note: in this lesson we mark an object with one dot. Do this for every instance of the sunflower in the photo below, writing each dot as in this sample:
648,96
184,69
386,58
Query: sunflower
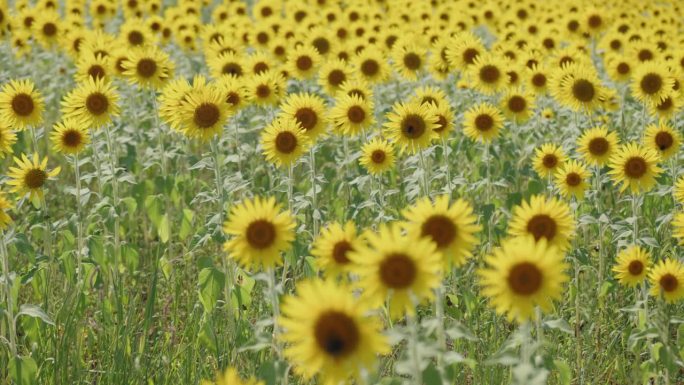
29,177
21,105
572,179
351,115
666,108
635,166
234,91
227,63
204,112
619,68
463,50
678,190
548,158
171,99
537,78
95,66
597,145
452,227
330,333
662,138
356,87
578,88
133,33
231,377
377,156
487,73
303,61
94,101
667,279
332,247
411,126
482,122
5,205
149,67
632,265
332,74
309,110
678,227
47,28
518,105
259,232
70,136
265,89
651,82
7,140
371,65
431,95
521,275
543,218
284,141
399,267
408,60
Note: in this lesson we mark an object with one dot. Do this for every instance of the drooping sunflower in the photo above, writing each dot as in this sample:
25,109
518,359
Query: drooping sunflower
332,247
482,122
171,99
309,110
204,112
231,377
548,158
5,205
543,218
452,227
284,141
667,280
330,333
259,232
487,73
70,136
518,105
397,268
377,156
651,82
150,67
351,115
572,179
95,101
662,138
7,140
632,266
635,167
29,177
521,275
411,126
303,61
597,145
21,105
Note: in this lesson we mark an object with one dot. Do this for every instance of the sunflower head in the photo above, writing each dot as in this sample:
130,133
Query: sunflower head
29,177
632,266
284,141
667,280
662,138
411,126
70,136
572,179
635,166
21,105
548,158
547,219
377,156
333,246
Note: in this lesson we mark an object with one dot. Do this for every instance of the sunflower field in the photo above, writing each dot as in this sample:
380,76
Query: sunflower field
262,192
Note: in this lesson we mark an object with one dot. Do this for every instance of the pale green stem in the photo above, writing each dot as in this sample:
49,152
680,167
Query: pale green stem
426,174
314,198
115,197
8,294
79,222
446,165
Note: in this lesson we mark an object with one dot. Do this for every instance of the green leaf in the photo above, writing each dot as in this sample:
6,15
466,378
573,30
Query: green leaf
186,228
35,312
564,372
431,375
559,324
211,283
23,371
164,229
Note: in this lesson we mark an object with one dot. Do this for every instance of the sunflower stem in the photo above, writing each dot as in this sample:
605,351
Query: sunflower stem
275,304
236,129
79,222
441,334
426,174
7,281
314,198
446,164
115,197
413,325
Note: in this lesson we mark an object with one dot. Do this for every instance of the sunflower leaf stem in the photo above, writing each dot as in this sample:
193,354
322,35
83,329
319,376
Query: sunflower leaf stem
7,283
275,304
426,174
314,198
115,197
79,222
445,147
236,129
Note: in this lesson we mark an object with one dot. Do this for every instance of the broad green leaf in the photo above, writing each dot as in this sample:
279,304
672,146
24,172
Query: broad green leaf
23,371
35,312
211,282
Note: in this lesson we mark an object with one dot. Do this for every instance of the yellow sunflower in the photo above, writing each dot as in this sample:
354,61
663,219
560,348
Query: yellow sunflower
632,266
543,218
371,65
93,66
227,63
377,156
21,105
482,122
309,110
411,126
678,227
518,105
487,73
284,141
662,138
635,166
332,74
329,333
572,179
303,61
5,205
95,101
351,115
171,99
266,88
70,136
463,50
231,377
521,275
432,95
408,60
332,247
452,227
678,190
397,268
651,82
150,67
234,91
667,279
7,140
356,87
597,145
548,158
578,88
29,177
445,119
204,112
259,232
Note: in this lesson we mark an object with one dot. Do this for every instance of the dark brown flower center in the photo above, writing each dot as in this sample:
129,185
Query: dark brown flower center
262,37
573,179
146,68
615,44
489,74
370,67
307,117
635,267
135,38
583,90
412,61
206,115
517,104
337,334
336,77
72,138
669,282
49,29
97,103
623,68
598,146
542,225
484,122
263,91
261,234
441,124
232,69
286,142
664,140
651,83
304,63
322,45
550,160
233,98
665,105
539,80
35,178
469,55
440,229
595,21
22,104
398,271
356,114
378,156
525,278
413,126
340,250
636,167
645,55
96,71
260,67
